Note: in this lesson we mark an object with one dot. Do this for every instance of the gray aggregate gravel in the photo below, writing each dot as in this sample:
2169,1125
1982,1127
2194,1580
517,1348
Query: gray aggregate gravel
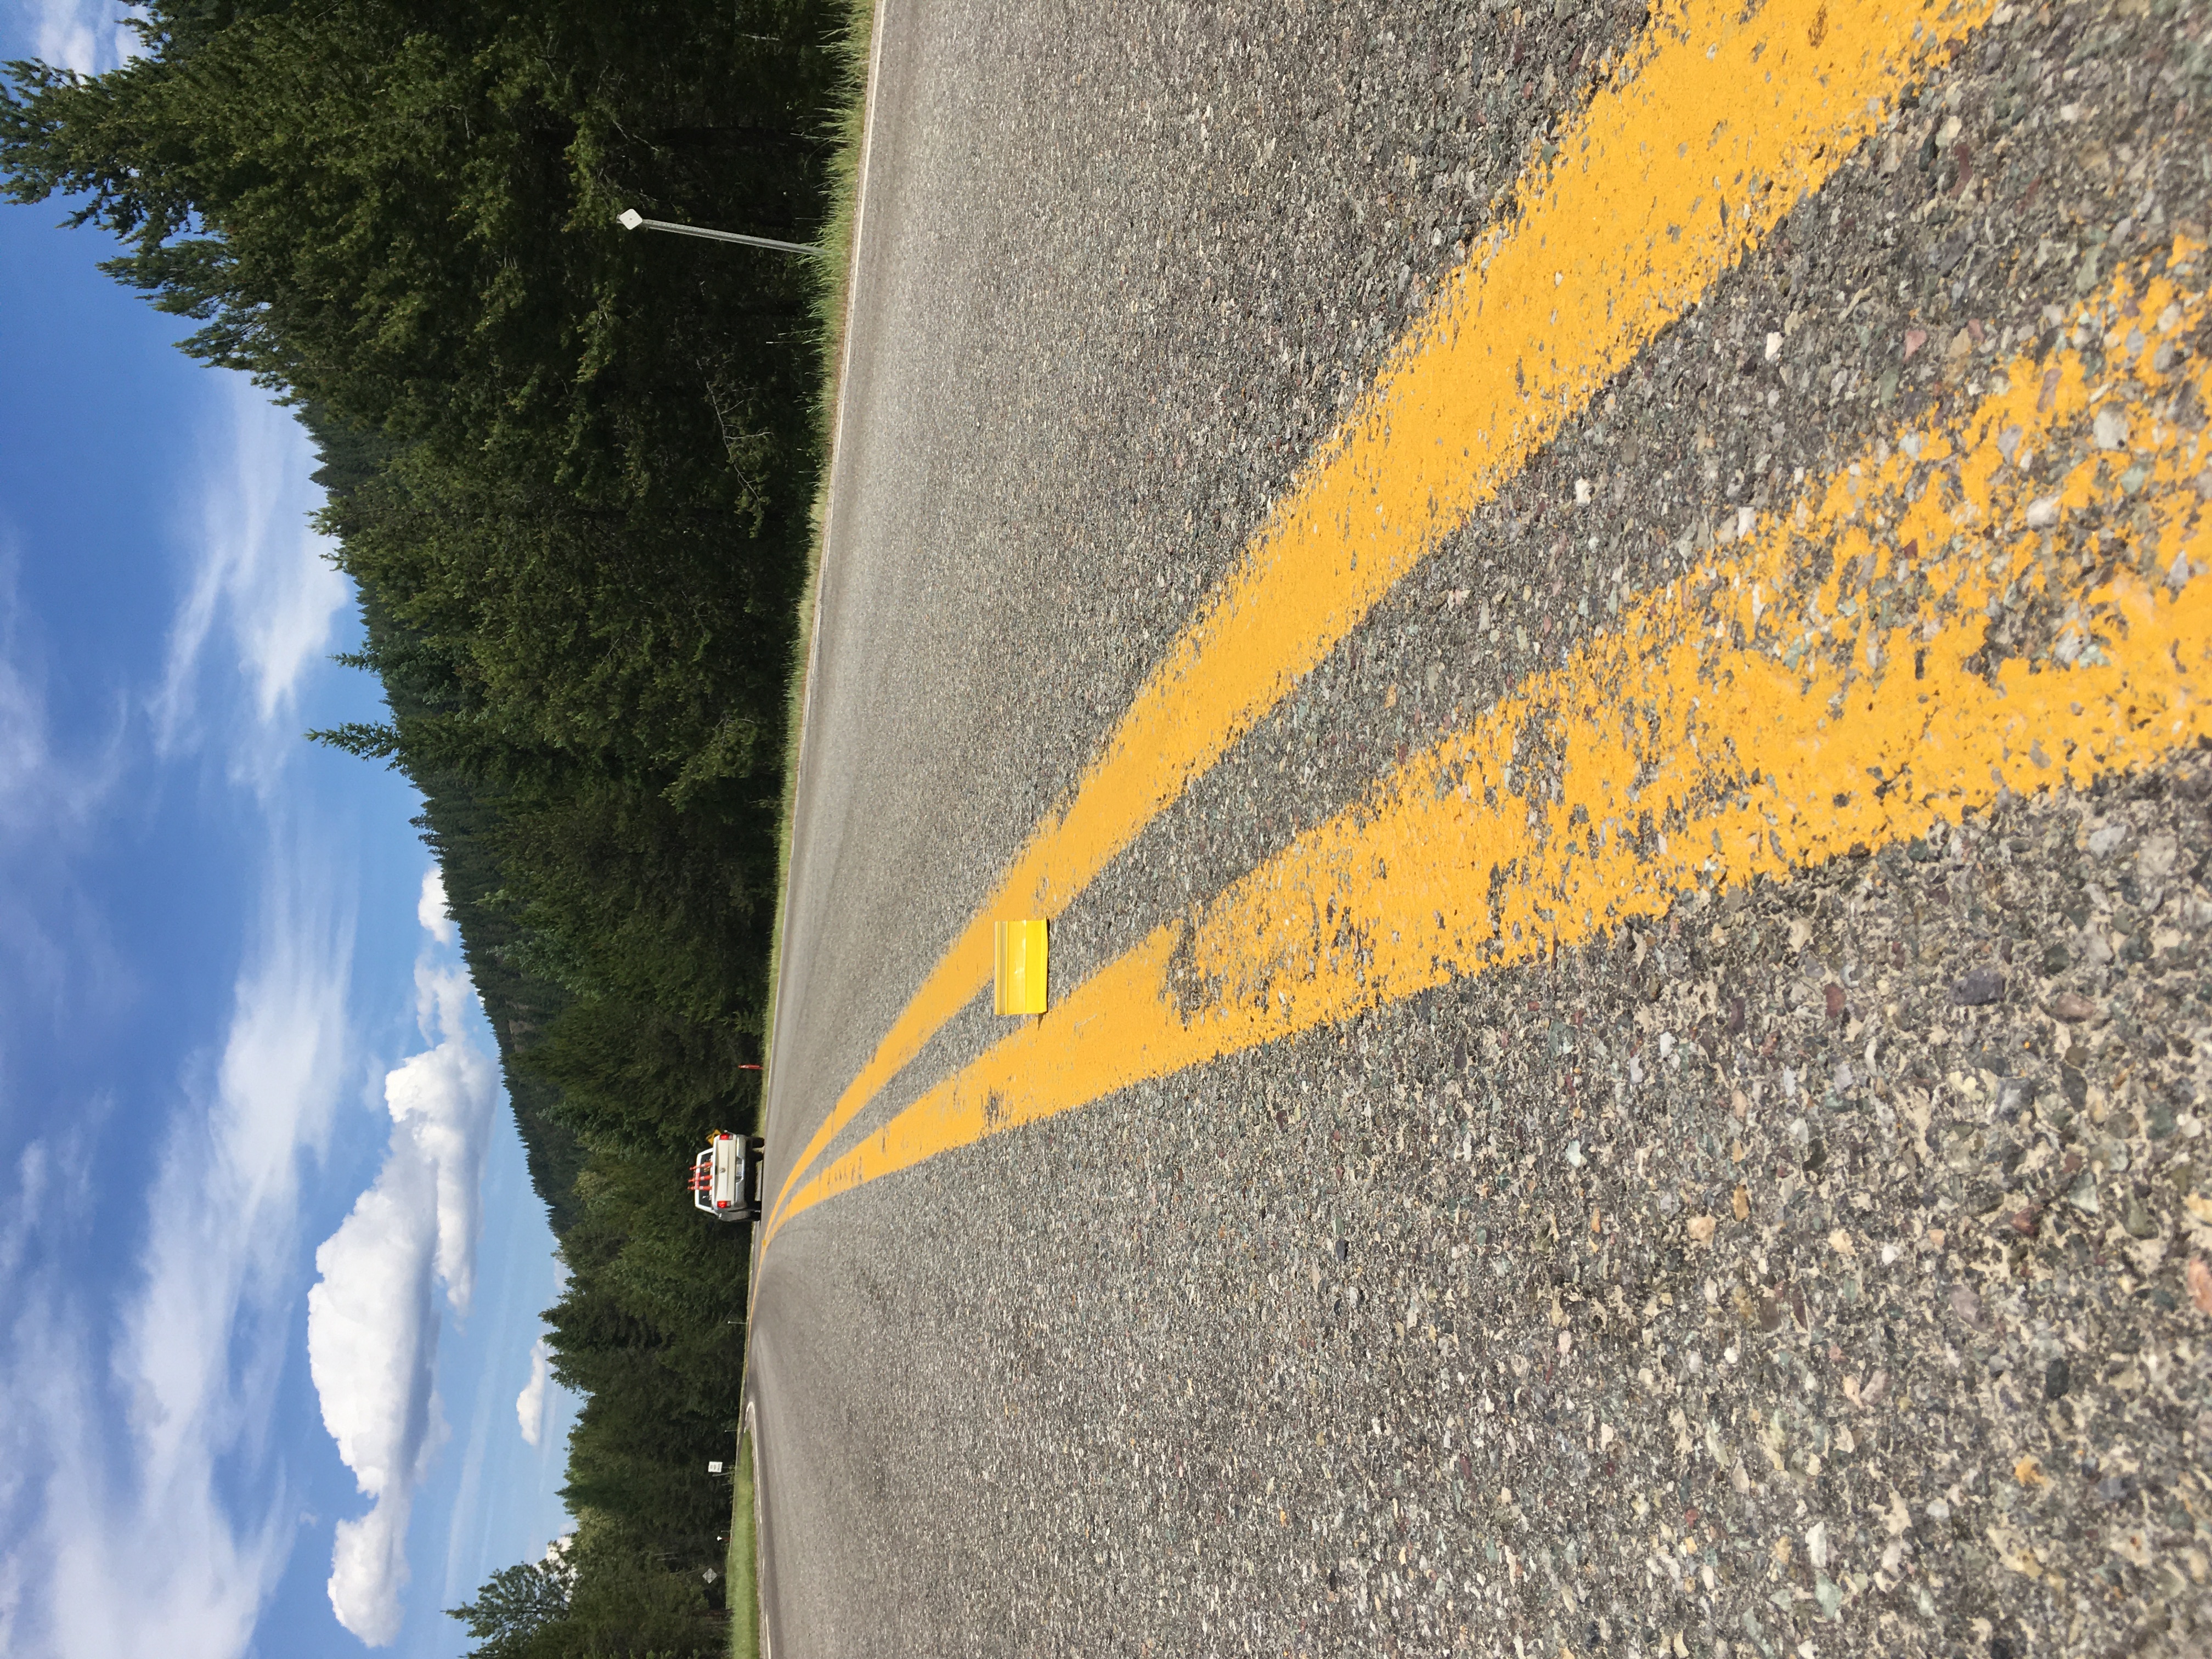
1883,1337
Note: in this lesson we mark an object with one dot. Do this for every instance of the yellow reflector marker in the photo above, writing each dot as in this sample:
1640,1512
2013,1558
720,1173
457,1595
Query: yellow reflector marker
1720,125
1836,681
1018,947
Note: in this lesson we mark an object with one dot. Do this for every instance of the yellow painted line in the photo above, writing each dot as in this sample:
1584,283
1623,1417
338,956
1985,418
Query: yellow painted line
1714,133
1837,681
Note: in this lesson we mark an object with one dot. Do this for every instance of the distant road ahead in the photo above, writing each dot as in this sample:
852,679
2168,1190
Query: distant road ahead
1596,633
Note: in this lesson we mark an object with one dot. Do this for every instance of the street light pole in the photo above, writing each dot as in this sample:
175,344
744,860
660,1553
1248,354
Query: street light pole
631,218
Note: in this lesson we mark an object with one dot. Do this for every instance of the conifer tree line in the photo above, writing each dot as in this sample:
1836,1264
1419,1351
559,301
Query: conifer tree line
569,469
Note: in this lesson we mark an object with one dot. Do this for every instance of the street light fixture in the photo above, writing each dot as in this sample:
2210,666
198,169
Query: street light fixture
631,218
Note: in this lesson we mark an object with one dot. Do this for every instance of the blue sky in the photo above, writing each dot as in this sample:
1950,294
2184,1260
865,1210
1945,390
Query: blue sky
270,1264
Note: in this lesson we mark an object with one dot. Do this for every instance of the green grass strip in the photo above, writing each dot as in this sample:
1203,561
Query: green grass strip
743,1565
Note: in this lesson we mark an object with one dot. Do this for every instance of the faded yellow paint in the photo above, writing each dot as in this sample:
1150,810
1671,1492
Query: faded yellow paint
1843,678
1715,130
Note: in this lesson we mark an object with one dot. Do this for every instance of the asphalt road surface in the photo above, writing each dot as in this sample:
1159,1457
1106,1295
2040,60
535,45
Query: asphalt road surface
1594,629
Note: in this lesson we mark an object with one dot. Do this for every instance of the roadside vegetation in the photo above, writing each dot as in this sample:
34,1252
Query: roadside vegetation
832,295
743,1569
574,473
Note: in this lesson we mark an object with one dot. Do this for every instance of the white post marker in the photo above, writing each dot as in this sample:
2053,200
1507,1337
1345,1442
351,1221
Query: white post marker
631,218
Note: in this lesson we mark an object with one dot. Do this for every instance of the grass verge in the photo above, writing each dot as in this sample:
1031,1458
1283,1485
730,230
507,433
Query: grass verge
743,1566
833,288
832,302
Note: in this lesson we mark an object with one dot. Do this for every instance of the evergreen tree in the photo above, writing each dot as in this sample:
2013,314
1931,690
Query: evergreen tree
513,1605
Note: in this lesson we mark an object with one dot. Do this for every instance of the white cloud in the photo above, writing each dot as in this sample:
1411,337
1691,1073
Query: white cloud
530,1404
122,1558
38,792
372,1320
85,35
368,1568
34,1171
136,1415
219,1262
431,910
121,1434
144,1498
23,756
263,577
121,1437
56,949
447,1097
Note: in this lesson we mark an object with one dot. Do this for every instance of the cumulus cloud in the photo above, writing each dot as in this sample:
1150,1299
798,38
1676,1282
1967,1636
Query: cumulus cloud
263,584
121,1436
530,1404
431,911
373,1318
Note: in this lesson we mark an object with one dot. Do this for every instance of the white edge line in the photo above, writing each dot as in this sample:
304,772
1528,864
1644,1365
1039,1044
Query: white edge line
760,1536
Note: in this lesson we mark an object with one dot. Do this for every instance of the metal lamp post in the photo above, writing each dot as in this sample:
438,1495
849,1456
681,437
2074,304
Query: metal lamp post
631,218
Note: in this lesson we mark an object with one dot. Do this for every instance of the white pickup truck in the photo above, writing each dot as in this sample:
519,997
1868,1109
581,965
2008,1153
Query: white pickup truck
725,1178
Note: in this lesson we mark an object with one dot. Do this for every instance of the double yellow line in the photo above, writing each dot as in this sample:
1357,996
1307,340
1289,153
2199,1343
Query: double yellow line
1751,719
1713,132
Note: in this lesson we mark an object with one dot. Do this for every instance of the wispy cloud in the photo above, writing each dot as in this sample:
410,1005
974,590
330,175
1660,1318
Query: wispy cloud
263,588
372,1320
122,1437
23,756
85,35
52,950
40,791
122,1559
146,1507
